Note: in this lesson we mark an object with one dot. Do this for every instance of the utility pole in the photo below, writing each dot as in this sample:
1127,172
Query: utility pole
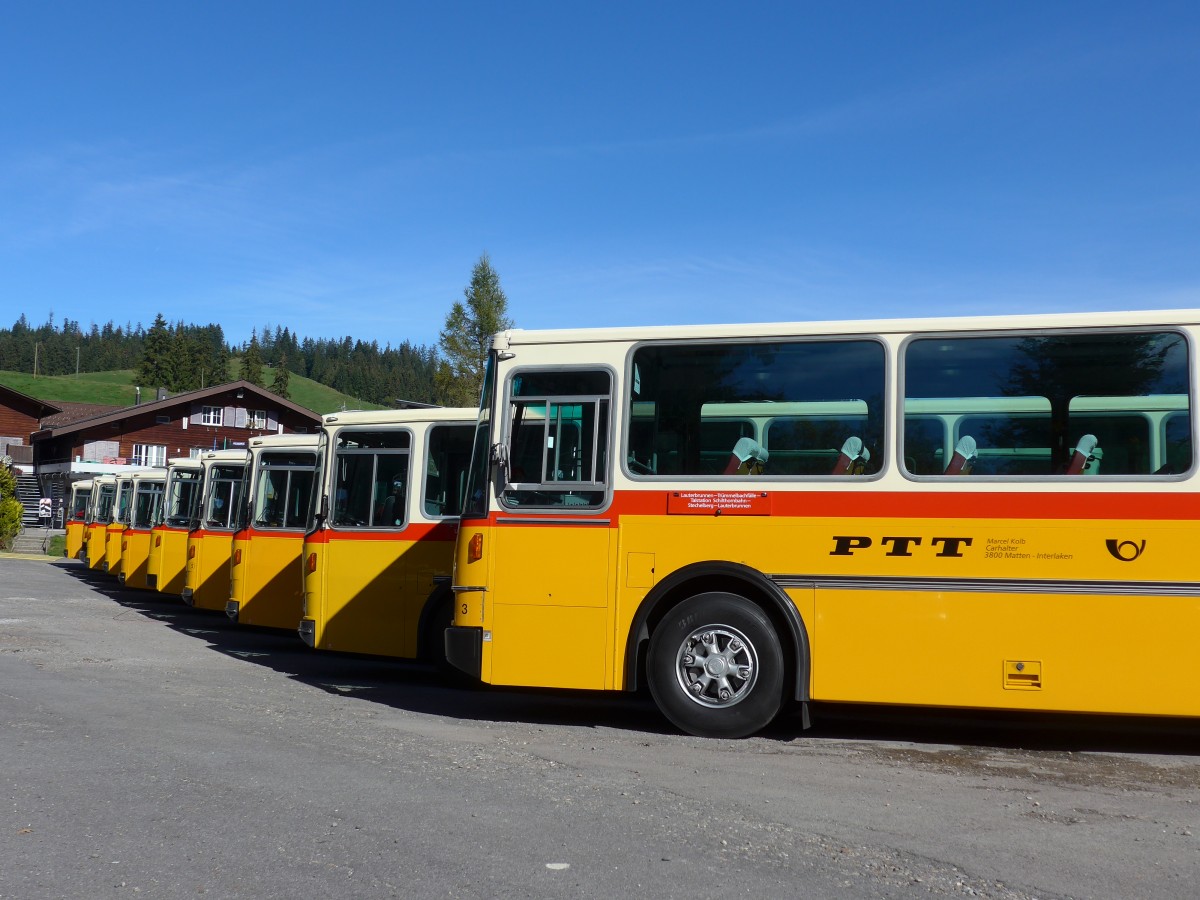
36,348
76,362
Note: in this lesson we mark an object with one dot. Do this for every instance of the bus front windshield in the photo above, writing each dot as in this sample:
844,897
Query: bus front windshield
79,503
147,498
224,497
182,497
284,490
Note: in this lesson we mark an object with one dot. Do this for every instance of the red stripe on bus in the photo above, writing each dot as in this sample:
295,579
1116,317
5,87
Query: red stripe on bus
417,531
247,534
213,532
903,505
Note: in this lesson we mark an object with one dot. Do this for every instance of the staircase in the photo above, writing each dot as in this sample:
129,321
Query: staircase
33,540
29,492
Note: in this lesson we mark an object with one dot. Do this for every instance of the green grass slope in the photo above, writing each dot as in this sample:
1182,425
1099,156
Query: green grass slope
115,388
111,388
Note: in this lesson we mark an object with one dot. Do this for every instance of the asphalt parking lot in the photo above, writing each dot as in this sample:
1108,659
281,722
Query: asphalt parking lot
153,750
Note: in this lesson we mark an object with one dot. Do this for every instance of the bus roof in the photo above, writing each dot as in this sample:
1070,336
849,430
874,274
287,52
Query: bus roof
399,416
1131,318
212,458
224,455
269,441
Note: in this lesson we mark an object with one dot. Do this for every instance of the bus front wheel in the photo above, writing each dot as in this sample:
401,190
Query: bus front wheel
716,666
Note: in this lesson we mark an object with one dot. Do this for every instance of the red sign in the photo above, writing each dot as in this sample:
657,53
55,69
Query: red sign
719,503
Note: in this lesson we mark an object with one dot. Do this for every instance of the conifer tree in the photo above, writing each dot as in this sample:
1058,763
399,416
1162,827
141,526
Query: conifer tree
279,386
156,368
216,357
472,321
183,359
252,365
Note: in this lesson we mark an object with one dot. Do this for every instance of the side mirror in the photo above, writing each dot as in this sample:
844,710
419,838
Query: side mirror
499,458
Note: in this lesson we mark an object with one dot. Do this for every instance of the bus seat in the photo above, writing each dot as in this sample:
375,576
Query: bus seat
852,458
963,458
1085,452
748,458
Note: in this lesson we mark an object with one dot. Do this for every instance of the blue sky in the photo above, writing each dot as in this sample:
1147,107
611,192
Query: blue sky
339,168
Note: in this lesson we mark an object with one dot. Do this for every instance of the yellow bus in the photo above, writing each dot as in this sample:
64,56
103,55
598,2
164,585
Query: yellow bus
81,492
206,578
972,513
167,563
380,544
266,587
100,512
144,505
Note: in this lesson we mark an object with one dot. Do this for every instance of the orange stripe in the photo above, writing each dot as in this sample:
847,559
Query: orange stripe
417,531
247,534
910,505
201,533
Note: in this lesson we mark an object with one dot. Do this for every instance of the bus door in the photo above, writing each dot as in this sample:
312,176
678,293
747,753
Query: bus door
206,582
136,540
168,550
81,493
266,588
368,559
104,492
552,540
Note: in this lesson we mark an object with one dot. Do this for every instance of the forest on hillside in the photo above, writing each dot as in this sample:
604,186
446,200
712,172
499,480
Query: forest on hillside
184,357
198,356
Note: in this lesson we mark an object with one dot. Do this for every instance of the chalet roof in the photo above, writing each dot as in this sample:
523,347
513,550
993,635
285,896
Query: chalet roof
31,406
156,407
74,412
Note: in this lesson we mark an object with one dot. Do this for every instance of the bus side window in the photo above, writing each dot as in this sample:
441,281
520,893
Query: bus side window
559,433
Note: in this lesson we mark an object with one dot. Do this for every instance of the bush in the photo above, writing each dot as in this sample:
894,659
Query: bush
10,522
10,507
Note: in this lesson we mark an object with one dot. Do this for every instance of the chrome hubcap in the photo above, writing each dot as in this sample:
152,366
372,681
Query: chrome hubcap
717,667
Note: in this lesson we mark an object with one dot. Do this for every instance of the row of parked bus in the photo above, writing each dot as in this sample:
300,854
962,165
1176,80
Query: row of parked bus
989,513
345,536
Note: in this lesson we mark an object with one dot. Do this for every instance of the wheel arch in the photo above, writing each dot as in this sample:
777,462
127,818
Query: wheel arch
734,578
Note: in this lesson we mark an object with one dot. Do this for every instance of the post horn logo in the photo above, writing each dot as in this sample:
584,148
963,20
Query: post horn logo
1125,551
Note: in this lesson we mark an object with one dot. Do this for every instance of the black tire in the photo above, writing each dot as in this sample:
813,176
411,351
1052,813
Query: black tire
439,615
432,648
716,667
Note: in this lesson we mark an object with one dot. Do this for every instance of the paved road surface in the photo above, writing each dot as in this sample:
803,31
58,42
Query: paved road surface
149,750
